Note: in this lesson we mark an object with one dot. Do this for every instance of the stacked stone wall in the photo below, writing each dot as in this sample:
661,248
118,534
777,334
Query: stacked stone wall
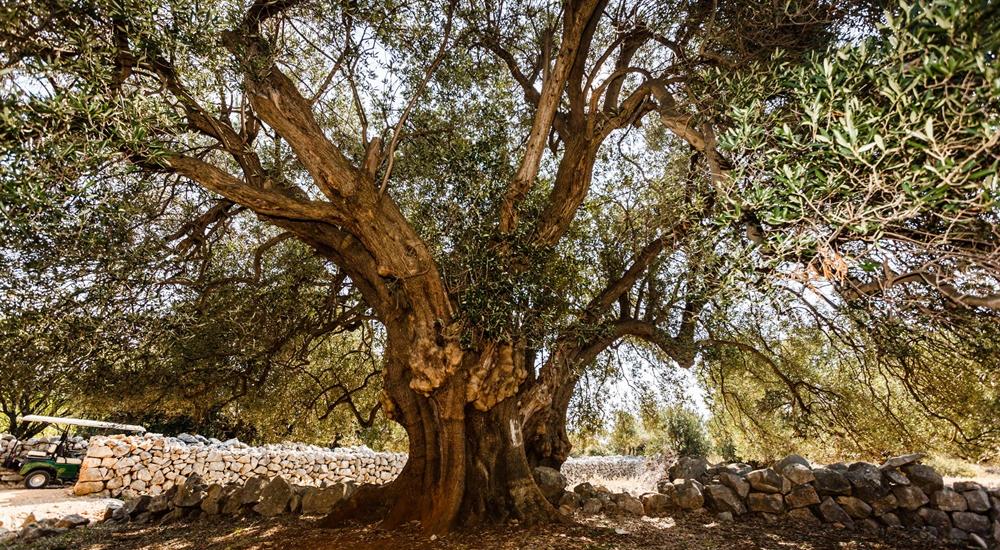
126,466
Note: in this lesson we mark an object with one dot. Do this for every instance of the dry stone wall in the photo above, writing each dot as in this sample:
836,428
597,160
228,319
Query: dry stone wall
126,466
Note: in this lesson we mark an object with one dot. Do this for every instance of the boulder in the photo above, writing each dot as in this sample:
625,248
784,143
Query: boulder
689,494
190,493
83,488
551,482
770,503
935,518
895,477
72,521
159,503
100,451
628,504
768,481
789,460
233,501
924,477
657,504
831,482
802,496
949,501
867,481
688,467
274,498
592,506
890,519
720,498
900,461
570,500
976,499
855,507
833,513
586,490
971,521
798,474
212,503
885,504
736,483
965,485
252,489
737,468
137,505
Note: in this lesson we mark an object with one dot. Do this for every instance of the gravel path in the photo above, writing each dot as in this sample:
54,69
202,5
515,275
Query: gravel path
17,504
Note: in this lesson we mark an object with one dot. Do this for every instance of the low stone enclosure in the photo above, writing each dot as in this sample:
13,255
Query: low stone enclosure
125,466
902,493
165,478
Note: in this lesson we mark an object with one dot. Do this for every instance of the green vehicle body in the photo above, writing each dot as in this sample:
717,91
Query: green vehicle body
62,471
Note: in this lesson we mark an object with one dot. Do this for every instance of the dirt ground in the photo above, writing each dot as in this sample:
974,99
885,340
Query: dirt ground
683,532
17,504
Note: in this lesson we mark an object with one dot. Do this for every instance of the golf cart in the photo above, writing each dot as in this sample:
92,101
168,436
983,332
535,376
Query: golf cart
57,462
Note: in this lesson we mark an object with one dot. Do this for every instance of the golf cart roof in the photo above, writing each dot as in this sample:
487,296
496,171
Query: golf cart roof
81,422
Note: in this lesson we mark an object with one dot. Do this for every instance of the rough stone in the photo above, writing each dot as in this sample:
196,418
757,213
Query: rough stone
628,504
190,494
233,501
72,521
591,506
767,480
831,482
798,474
976,499
771,503
900,461
657,504
688,467
274,498
909,497
801,496
833,513
971,521
551,482
935,518
689,494
789,460
885,504
867,482
949,501
723,499
252,489
924,477
571,500
855,507
212,503
586,490
87,487
895,477
890,519
736,483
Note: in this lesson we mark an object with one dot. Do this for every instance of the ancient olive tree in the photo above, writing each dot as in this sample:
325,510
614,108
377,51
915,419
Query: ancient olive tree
510,189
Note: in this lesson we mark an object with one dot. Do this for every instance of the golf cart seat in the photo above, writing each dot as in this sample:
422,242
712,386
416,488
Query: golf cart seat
68,460
36,454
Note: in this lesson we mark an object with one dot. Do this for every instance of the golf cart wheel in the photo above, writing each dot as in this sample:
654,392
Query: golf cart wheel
37,479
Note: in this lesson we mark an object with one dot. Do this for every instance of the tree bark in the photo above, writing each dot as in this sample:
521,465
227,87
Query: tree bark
546,439
466,466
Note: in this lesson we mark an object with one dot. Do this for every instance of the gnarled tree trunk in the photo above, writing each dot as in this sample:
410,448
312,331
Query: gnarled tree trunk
466,465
